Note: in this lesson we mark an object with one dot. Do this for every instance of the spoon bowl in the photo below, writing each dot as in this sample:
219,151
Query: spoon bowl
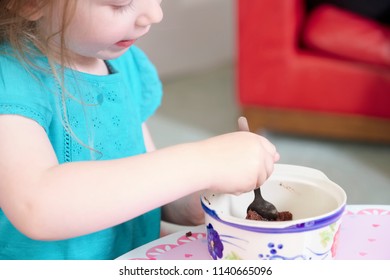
263,207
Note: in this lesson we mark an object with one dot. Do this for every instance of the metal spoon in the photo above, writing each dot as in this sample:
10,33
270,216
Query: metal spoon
261,206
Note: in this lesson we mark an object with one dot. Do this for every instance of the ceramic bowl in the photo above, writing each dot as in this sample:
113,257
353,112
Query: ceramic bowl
317,205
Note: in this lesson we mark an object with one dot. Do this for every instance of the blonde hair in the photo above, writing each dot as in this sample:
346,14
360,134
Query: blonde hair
18,30
22,34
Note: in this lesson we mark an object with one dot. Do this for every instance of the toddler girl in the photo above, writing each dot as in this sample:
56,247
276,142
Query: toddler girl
80,178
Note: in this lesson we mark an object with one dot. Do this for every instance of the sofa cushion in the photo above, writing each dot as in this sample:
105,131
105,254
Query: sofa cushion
347,35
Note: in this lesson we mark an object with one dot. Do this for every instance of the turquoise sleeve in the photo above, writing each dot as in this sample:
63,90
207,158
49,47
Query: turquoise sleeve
21,93
151,85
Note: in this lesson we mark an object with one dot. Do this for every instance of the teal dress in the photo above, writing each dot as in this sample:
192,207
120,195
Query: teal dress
104,115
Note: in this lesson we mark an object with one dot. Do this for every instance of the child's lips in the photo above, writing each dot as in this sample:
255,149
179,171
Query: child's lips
125,43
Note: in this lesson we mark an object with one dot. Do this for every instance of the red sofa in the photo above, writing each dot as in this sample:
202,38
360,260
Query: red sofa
323,73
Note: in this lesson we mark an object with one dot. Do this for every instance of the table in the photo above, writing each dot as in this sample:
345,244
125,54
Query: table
364,235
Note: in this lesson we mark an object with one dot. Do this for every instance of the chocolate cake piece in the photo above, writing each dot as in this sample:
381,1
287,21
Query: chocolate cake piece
282,216
253,215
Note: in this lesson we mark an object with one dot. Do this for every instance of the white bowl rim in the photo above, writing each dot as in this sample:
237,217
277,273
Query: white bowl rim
278,227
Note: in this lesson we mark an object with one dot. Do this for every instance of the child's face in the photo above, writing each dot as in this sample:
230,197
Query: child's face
105,29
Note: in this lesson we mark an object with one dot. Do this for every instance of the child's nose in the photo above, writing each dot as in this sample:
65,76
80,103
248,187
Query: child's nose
151,14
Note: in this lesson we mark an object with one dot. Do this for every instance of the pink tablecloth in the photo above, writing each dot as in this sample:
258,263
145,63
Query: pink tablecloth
364,234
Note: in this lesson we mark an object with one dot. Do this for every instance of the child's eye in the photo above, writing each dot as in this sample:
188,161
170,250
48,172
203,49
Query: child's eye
124,8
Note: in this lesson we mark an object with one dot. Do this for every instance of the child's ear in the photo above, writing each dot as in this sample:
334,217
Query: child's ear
31,10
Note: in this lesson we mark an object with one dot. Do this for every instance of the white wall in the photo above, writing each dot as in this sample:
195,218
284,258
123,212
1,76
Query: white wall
194,35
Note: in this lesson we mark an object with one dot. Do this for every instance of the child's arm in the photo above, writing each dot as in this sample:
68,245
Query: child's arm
46,200
184,211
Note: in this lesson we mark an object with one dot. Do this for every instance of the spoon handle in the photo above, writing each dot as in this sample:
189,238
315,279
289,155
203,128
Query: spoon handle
258,195
243,124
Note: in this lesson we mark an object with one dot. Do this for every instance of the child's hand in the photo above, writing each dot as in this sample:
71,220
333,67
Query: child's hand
237,162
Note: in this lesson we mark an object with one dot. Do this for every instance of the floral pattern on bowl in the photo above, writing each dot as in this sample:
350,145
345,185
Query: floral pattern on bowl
216,246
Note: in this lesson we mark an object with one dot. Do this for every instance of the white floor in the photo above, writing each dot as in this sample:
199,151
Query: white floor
203,104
